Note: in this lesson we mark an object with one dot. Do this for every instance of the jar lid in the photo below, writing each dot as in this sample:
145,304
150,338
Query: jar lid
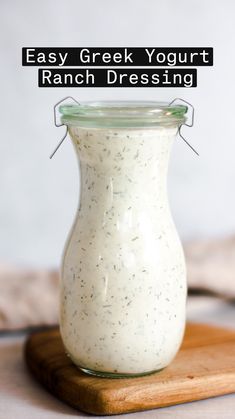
123,114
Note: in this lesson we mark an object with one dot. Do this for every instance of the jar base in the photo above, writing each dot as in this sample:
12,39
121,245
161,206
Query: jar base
116,374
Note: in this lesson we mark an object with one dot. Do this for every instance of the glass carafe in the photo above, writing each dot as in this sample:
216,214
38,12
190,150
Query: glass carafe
123,281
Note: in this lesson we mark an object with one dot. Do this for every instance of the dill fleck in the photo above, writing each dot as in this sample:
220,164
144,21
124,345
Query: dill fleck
135,238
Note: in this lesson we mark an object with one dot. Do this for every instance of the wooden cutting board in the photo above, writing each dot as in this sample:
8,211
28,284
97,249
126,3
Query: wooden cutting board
204,367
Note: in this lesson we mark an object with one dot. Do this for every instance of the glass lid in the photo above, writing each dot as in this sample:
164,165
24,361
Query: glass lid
123,114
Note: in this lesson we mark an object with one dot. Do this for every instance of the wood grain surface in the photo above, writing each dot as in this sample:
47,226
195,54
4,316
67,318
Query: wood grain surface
204,367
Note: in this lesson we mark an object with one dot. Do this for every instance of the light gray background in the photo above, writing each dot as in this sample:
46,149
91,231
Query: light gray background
38,197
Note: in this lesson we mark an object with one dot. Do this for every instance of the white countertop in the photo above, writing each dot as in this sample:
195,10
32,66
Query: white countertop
22,398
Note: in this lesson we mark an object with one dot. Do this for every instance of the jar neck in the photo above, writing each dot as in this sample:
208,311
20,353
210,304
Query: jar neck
122,166
123,151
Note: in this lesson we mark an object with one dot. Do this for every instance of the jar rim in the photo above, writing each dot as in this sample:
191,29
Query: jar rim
123,114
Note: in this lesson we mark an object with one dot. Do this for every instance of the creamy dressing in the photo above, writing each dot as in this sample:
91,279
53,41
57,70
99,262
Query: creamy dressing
123,286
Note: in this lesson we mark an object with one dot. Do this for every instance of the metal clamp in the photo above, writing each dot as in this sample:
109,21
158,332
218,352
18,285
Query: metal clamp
170,104
60,125
186,124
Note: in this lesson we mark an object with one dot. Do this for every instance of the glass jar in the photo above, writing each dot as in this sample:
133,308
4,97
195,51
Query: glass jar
123,281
